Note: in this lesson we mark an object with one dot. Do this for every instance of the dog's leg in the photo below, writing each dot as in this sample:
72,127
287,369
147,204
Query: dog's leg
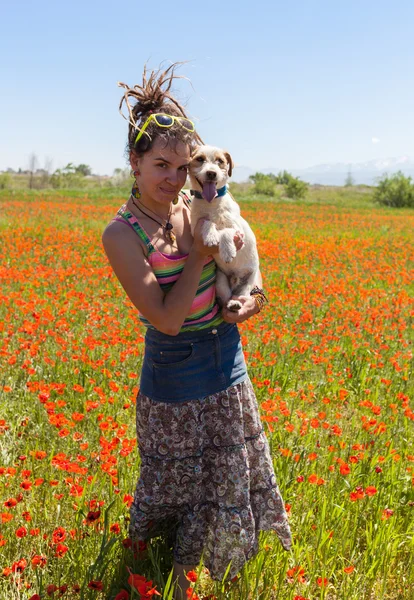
210,234
223,290
246,285
227,247
242,287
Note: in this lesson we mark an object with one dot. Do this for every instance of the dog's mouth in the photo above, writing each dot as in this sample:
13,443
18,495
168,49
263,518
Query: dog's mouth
209,189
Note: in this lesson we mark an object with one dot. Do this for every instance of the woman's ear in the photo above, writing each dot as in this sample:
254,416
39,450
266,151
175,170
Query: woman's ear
229,162
134,160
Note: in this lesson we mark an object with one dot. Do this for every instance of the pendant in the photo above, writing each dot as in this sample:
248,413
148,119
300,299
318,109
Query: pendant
168,232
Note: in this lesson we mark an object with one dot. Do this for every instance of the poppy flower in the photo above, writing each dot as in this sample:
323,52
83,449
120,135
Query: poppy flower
19,566
60,550
38,560
192,576
51,589
92,516
10,503
95,585
59,535
122,595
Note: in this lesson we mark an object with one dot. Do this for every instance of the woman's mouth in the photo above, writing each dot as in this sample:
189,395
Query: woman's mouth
168,191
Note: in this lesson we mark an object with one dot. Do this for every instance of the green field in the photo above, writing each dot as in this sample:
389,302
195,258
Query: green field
331,361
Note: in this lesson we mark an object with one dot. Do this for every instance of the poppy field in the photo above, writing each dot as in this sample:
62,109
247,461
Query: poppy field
331,361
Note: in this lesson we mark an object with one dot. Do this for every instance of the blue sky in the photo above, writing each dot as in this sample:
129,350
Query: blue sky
278,84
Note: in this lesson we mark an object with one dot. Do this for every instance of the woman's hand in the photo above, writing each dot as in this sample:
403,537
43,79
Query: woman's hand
198,242
248,309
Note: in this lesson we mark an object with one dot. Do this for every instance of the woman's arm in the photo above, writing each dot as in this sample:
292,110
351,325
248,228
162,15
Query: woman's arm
165,311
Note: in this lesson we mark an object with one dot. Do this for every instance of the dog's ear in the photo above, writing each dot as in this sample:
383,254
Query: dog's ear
229,162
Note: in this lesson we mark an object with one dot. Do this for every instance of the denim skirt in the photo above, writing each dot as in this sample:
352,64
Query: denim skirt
193,364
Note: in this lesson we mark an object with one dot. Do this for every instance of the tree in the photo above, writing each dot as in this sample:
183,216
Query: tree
32,168
5,181
83,169
264,184
296,188
349,181
68,177
395,190
283,177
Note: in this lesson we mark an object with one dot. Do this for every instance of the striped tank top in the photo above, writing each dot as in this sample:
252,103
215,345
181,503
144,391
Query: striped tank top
204,311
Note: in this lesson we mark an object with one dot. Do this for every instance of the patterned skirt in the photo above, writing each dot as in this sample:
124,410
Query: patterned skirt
206,471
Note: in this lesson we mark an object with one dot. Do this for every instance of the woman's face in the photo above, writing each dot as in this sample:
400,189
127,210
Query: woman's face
162,171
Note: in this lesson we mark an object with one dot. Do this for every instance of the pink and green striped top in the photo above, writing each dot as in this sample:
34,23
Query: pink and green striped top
204,311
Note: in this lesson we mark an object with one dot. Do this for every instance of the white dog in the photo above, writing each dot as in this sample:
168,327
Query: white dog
209,171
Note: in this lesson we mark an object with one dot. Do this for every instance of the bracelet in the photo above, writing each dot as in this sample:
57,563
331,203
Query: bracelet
259,297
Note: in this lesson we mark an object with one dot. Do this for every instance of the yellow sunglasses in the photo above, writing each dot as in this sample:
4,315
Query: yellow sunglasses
163,120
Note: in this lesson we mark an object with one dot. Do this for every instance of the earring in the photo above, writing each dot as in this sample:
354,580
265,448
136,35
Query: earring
175,201
135,191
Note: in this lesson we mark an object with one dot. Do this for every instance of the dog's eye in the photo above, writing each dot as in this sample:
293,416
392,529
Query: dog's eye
200,159
220,162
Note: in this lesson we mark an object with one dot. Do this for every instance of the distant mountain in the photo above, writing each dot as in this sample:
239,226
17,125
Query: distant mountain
336,173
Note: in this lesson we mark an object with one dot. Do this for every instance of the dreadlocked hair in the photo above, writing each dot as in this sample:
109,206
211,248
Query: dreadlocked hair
154,96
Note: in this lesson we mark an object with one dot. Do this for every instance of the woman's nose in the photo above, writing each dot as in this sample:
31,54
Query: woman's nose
172,177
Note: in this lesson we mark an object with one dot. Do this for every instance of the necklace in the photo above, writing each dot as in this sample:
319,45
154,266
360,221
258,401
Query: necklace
167,228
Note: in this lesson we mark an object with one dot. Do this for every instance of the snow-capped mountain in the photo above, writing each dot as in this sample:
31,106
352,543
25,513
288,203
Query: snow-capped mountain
336,173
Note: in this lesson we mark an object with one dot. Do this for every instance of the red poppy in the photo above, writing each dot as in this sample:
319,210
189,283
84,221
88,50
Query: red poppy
21,532
51,589
38,560
192,576
10,503
92,516
19,566
59,535
60,550
95,585
122,595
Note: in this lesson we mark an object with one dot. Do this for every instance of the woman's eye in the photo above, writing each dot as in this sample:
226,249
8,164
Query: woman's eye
185,169
162,165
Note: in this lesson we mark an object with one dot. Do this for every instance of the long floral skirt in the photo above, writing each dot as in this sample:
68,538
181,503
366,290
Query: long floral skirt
206,471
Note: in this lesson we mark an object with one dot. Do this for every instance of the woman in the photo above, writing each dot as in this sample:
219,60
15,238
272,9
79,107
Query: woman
206,471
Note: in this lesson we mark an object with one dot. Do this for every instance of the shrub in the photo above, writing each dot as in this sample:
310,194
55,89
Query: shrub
264,184
5,181
295,188
266,187
283,177
396,190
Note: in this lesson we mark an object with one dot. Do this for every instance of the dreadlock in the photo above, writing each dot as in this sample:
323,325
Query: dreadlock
154,96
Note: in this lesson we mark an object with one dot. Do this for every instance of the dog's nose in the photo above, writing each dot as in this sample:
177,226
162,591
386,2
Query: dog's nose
211,175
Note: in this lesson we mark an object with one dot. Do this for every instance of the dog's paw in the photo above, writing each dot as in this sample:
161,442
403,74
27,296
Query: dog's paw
211,239
234,305
227,252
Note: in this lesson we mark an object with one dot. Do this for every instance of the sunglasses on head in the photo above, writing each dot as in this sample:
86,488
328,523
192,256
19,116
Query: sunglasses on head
163,120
